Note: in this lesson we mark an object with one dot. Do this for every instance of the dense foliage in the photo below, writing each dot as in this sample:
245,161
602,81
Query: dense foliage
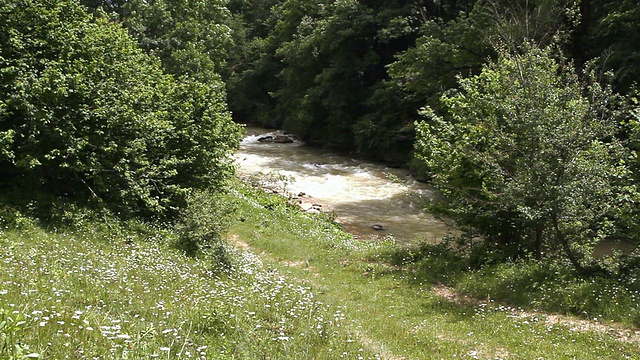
189,36
86,114
320,73
353,74
526,124
520,112
529,158
113,113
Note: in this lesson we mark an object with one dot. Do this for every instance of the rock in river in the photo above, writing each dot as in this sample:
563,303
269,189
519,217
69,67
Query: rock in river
282,139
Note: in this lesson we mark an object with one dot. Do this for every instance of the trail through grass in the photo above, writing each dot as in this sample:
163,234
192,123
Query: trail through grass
299,288
392,314
84,295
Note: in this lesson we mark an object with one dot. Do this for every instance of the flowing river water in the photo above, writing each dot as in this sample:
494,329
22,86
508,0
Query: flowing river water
362,195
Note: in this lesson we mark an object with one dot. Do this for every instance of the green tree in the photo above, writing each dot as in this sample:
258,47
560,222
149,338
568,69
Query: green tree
612,32
318,69
334,87
527,156
251,72
460,45
85,113
191,37
297,36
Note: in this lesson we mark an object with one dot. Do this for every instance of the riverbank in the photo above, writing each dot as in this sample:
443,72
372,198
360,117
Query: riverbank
299,287
413,302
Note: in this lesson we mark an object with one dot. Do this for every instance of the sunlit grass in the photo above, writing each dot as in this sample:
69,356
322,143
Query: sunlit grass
93,296
392,309
534,285
303,290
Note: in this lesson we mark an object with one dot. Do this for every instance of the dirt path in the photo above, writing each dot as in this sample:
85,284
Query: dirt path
386,317
616,330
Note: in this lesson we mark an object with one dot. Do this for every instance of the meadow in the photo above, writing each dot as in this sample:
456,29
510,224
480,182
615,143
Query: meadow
129,294
295,287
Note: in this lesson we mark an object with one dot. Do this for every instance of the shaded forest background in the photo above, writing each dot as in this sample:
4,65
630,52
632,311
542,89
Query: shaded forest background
353,74
523,113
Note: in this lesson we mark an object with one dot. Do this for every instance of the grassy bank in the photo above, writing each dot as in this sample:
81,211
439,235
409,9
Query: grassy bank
530,284
123,292
397,311
298,288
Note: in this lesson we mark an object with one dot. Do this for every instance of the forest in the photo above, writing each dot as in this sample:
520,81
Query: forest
524,115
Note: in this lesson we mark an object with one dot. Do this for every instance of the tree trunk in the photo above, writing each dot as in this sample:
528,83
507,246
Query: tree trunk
567,249
579,46
538,242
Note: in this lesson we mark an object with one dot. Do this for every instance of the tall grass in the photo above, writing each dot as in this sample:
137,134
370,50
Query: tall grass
131,295
106,289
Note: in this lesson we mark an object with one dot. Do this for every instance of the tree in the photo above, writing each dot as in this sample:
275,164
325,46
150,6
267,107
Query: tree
334,87
527,156
84,113
191,37
613,34
251,71
320,89
460,45
318,69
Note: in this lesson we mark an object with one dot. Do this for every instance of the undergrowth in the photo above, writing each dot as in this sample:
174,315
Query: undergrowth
550,286
389,301
91,286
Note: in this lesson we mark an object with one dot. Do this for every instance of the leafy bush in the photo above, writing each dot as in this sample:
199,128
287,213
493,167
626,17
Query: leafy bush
85,113
11,325
13,218
203,223
528,157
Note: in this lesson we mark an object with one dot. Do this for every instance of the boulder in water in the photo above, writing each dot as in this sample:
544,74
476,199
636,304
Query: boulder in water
305,206
377,227
282,139
268,138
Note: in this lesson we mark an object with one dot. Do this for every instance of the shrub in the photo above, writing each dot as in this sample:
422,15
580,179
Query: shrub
528,156
203,223
85,113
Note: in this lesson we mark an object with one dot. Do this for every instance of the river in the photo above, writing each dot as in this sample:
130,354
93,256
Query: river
361,194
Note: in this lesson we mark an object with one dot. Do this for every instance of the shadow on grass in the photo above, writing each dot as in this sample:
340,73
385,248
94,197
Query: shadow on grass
452,310
550,286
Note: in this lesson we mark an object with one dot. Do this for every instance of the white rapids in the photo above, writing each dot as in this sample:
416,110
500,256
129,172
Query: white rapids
361,194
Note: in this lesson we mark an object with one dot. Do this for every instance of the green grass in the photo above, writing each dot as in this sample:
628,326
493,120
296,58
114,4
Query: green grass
393,311
304,290
527,283
88,295
555,288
